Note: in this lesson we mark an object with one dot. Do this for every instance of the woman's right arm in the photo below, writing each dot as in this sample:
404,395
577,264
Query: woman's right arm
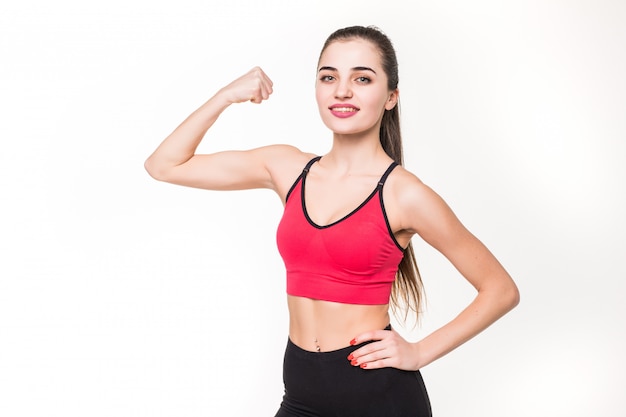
176,162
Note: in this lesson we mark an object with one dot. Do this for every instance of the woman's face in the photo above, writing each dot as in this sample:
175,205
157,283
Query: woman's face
351,88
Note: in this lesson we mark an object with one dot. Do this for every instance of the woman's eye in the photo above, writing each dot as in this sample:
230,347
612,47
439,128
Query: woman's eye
363,80
327,78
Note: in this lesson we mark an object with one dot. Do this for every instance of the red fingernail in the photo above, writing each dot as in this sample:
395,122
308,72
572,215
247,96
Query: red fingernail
363,365
353,342
350,357
354,363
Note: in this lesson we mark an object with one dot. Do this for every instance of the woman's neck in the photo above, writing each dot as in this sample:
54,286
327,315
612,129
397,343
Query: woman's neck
352,153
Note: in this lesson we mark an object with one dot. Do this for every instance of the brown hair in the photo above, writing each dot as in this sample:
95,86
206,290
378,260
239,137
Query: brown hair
408,291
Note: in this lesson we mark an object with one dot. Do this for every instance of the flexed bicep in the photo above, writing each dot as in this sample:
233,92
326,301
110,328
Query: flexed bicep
175,159
229,170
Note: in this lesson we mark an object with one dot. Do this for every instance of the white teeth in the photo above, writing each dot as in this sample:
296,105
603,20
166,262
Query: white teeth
344,109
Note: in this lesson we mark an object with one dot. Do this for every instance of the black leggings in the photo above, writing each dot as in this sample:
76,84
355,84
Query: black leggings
324,384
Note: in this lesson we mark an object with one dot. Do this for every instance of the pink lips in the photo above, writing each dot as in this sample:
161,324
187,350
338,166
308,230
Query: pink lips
343,110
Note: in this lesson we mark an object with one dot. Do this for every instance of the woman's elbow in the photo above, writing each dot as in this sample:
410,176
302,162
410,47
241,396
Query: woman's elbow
511,295
503,293
154,170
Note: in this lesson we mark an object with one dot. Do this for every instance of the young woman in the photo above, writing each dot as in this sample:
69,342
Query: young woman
345,235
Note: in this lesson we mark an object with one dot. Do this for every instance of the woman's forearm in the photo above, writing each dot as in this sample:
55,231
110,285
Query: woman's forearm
488,306
182,143
180,146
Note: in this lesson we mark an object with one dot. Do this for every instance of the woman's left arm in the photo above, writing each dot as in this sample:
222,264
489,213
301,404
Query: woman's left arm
425,213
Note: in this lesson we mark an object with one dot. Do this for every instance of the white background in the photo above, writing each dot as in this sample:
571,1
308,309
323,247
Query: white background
122,296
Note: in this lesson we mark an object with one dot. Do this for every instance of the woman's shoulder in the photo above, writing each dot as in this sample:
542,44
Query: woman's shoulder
403,181
408,191
290,152
285,163
418,208
282,159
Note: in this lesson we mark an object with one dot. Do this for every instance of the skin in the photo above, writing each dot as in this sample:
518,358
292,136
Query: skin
349,74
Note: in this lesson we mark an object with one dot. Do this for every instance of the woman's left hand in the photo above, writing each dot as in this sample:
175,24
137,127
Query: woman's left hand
388,349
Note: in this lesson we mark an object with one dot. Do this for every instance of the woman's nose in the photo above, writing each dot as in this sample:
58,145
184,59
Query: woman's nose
343,90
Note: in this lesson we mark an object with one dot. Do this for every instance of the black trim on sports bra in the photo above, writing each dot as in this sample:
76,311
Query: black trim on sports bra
310,163
382,206
305,170
378,189
318,226
386,174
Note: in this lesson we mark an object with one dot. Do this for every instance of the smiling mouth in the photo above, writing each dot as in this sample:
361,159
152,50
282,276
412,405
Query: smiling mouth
344,109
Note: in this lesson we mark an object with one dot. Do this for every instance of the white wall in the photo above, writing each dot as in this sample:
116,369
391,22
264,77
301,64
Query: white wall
121,296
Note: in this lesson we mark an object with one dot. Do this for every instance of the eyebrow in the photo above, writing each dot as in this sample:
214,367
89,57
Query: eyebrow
353,69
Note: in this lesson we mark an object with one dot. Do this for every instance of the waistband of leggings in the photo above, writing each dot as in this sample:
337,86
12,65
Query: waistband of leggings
340,353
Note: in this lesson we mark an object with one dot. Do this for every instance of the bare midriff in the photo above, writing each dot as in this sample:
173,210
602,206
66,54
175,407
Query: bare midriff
322,326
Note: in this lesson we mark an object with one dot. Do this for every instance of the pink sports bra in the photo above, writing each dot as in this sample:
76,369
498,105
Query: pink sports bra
353,260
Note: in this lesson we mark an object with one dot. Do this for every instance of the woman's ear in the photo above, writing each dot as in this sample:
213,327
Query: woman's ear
392,100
